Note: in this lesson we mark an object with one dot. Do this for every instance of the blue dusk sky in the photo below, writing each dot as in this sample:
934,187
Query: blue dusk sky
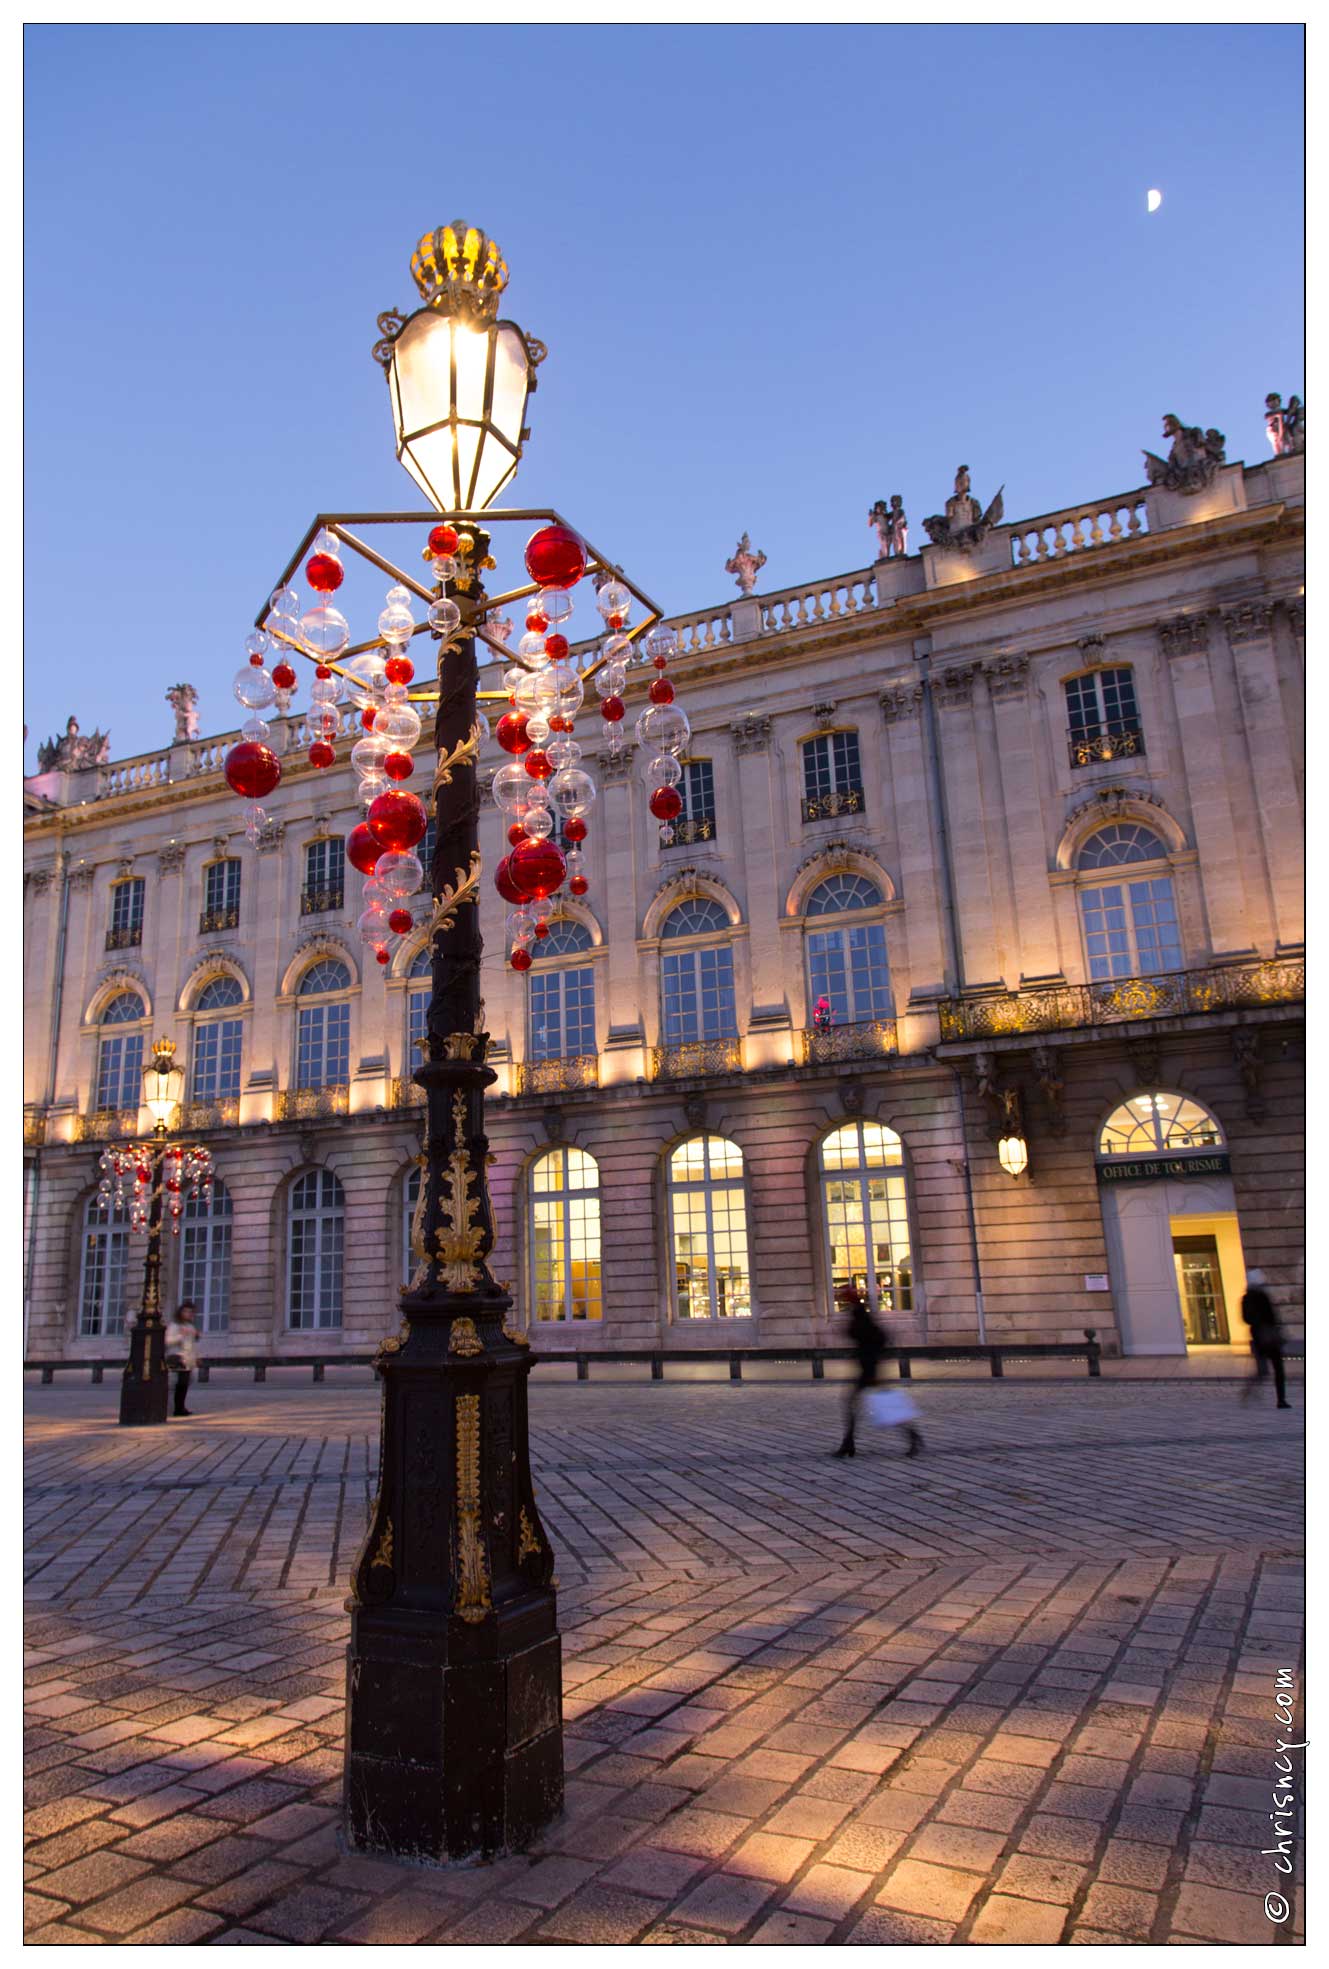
781,272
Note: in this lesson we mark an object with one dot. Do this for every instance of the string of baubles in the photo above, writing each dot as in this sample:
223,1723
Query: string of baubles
543,788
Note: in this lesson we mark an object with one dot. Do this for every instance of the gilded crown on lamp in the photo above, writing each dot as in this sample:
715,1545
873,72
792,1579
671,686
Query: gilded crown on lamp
459,270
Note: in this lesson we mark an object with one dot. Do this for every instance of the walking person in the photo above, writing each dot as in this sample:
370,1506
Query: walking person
869,1340
182,1351
1257,1309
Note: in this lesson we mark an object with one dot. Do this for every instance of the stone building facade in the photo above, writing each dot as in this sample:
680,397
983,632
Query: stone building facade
1026,814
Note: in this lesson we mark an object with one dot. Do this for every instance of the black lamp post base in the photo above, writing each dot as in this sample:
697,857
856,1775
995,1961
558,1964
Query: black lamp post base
145,1384
452,1760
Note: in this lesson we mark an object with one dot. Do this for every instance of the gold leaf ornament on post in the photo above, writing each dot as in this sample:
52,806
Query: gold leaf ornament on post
473,1601
450,900
460,1239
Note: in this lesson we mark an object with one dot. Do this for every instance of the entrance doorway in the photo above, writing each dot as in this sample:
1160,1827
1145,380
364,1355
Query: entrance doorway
1200,1288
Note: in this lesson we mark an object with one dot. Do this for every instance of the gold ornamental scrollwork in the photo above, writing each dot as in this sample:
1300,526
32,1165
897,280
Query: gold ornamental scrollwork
462,754
528,1544
463,1337
383,1550
450,901
517,1339
462,1045
473,1601
460,1239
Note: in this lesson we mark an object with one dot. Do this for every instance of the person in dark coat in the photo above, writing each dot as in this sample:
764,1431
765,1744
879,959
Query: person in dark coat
869,1340
1257,1309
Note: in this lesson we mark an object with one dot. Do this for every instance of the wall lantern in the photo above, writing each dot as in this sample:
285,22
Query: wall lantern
163,1085
1013,1152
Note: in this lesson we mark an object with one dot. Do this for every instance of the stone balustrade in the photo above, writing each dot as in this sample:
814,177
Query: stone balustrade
134,775
1076,528
818,601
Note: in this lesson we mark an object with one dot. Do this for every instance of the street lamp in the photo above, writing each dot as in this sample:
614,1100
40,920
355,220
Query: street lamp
152,1180
1012,1148
454,1694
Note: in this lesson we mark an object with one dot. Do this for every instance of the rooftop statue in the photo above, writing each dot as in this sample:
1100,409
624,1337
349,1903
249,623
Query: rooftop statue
183,700
1286,428
72,753
965,524
1193,461
892,527
745,565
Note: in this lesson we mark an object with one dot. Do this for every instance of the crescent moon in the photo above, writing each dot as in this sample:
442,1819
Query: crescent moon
1153,200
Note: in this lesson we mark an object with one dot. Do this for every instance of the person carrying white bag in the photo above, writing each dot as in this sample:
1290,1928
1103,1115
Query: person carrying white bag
886,1407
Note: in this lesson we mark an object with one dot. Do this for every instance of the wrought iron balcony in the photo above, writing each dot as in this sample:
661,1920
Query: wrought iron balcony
559,1076
405,1093
34,1128
198,1115
309,1103
687,833
107,1124
1167,994
315,902
125,937
219,919
866,1039
1119,739
830,806
692,1058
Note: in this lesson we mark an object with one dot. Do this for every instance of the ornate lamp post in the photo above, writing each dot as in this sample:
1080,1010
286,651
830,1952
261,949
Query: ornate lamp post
454,1709
153,1180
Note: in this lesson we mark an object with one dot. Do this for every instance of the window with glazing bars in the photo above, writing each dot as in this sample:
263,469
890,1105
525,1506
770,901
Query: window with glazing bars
697,791
315,1224
698,994
126,913
221,890
562,1013
103,1281
325,875
205,1258
832,775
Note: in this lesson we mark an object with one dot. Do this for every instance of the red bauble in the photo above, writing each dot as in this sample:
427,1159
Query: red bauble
506,886
252,769
611,709
556,557
665,803
368,715
662,691
322,671
557,647
283,676
615,621
516,834
443,540
538,765
256,662
578,885
397,819
558,723
380,955
324,572
520,959
542,928
398,670
510,731
400,921
659,661
537,621
538,867
321,754
575,829
362,850
398,765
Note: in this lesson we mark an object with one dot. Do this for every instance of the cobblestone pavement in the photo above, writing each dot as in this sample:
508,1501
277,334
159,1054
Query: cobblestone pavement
1020,1690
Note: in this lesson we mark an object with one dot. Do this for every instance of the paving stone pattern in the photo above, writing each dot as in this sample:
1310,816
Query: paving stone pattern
1019,1690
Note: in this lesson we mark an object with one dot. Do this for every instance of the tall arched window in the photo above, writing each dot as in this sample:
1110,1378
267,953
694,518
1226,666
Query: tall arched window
708,1228
697,983
214,1073
1130,922
865,1209
417,1006
120,1054
103,1272
847,962
205,1257
410,1196
564,1197
562,997
1159,1124
323,1031
315,1215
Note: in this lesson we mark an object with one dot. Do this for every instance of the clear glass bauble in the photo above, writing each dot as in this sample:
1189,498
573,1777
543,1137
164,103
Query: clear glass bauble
576,861
663,770
512,788
572,792
538,822
325,690
286,637
526,695
520,926
513,676
562,752
326,542
399,874
483,722
324,630
399,725
396,624
365,677
254,688
613,599
372,926
255,822
611,680
255,729
257,643
554,604
371,785
369,752
663,728
562,691
396,693
662,641
616,649
537,728
444,615
531,648
284,601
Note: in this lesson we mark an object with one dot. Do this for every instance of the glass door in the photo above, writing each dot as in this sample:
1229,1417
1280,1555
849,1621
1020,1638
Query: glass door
1200,1288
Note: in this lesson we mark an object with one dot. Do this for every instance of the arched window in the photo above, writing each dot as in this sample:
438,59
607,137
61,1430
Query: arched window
865,1209
103,1273
215,1063
410,1196
315,1215
1130,923
323,1031
205,1257
697,985
417,1006
708,1223
847,965
1159,1124
564,1197
120,1054
562,1000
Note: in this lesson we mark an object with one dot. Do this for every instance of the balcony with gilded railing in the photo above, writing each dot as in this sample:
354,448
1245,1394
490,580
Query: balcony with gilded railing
563,1076
405,1093
198,1116
1165,995
690,1059
125,937
312,1103
320,901
211,920
107,1124
34,1128
688,833
865,1039
1119,738
833,806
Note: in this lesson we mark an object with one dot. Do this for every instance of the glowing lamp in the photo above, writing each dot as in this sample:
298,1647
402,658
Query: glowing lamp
163,1085
1013,1154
